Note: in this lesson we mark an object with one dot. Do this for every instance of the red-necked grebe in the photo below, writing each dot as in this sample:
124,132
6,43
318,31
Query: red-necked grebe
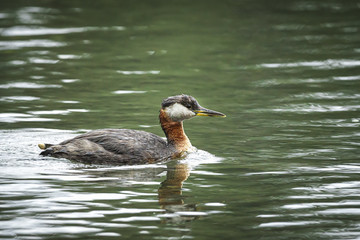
124,146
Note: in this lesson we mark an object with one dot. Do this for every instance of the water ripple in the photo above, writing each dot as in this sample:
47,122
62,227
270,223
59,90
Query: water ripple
288,224
138,72
127,92
58,112
69,56
137,219
88,197
18,44
22,117
128,211
35,15
340,211
4,15
18,98
321,204
347,78
28,85
327,64
57,230
316,108
69,80
313,198
17,31
327,95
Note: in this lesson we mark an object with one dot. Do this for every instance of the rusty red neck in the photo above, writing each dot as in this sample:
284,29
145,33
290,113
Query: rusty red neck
174,132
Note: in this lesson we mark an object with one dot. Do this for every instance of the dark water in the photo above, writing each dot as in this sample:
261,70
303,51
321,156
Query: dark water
284,164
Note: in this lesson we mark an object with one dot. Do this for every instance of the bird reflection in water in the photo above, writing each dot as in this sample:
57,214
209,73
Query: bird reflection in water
170,193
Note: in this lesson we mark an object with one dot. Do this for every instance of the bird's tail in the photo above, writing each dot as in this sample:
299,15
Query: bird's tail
44,145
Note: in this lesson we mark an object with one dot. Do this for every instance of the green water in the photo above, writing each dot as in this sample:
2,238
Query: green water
283,165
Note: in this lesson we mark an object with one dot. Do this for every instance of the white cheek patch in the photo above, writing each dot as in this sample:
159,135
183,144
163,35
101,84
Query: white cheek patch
178,112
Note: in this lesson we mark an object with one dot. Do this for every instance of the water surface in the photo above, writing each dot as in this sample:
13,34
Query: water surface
282,165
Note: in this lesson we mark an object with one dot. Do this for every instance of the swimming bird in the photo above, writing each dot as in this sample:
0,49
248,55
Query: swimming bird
129,147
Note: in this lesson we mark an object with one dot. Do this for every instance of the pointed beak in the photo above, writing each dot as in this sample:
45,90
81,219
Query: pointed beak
207,112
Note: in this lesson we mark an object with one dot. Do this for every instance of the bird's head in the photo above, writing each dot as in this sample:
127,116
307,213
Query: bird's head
182,107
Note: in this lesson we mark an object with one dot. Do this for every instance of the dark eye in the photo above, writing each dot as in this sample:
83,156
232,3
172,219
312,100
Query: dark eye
188,106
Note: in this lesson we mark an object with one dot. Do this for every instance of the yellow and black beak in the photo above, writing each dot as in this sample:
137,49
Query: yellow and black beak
207,112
